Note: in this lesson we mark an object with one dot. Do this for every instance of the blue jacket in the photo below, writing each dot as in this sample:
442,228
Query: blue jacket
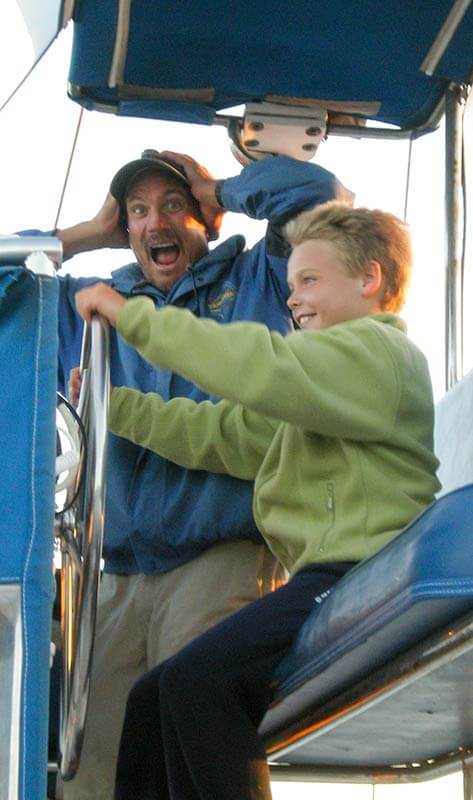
159,515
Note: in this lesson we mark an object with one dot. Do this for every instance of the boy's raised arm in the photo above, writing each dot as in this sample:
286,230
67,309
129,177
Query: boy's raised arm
223,438
307,379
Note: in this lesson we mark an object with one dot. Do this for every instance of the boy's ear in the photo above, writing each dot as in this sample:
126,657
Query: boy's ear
372,279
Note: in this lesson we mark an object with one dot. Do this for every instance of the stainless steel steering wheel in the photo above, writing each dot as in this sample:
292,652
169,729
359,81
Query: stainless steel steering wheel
80,531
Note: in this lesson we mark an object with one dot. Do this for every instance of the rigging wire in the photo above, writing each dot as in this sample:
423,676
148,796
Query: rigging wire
24,79
408,177
69,165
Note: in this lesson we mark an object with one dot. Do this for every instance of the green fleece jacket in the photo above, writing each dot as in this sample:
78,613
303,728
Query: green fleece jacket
334,426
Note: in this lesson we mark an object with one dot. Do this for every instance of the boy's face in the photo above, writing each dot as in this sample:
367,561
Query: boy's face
323,292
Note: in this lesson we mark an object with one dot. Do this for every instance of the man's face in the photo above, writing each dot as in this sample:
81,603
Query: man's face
323,292
163,231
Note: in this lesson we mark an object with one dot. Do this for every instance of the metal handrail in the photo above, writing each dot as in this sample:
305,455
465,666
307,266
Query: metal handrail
16,249
41,255
81,537
455,222
442,647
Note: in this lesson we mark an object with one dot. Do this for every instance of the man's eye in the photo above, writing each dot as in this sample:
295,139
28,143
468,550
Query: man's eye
137,210
309,279
173,204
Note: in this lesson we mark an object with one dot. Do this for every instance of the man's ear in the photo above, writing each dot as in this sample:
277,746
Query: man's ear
372,279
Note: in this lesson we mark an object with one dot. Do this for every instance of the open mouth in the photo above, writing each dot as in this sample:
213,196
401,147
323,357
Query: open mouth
164,254
304,319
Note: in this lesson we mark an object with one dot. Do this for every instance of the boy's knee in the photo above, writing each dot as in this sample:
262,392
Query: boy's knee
175,674
186,671
144,692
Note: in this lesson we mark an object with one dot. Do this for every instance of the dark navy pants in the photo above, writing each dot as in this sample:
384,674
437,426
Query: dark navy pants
190,730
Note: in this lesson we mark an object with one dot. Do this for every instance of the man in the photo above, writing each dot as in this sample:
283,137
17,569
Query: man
181,548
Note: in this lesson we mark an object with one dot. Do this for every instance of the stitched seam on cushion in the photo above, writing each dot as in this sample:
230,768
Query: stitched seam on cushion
33,515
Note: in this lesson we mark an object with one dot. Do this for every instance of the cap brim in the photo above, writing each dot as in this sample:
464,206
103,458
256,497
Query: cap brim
126,174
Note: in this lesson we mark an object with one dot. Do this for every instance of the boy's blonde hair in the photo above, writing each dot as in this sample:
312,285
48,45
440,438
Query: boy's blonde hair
361,235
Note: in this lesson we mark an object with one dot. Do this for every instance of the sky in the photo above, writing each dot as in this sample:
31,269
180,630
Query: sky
37,129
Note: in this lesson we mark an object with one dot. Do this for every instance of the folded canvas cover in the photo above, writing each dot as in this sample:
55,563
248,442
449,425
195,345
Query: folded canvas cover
185,61
28,347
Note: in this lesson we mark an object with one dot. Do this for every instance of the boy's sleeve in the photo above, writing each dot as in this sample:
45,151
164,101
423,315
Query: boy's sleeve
223,437
341,381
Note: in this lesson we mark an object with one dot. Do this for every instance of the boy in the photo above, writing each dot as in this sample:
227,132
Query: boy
334,425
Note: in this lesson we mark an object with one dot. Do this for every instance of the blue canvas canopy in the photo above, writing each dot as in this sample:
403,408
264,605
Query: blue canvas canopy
186,61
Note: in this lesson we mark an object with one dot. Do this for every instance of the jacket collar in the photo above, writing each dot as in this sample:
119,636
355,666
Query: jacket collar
389,318
129,280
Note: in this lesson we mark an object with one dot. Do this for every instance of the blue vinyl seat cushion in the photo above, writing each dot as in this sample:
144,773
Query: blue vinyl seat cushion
418,582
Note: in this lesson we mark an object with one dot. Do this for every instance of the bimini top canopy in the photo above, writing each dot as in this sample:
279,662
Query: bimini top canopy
386,60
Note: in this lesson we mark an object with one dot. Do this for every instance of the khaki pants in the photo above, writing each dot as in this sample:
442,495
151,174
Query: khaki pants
144,619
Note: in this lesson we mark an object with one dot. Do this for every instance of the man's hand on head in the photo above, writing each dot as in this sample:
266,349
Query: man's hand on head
108,224
99,299
203,189
103,230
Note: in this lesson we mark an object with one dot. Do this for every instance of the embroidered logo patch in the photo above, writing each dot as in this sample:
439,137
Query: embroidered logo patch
220,304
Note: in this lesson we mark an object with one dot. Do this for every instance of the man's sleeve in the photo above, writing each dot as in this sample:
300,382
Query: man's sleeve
334,382
277,189
223,438
280,187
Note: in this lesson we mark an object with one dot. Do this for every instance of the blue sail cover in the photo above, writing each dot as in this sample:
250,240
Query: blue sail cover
186,60
28,355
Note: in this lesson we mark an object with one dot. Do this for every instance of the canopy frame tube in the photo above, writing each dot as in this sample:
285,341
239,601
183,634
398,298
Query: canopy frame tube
454,204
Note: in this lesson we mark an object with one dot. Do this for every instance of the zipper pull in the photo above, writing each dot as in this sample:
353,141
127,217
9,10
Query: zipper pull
330,499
